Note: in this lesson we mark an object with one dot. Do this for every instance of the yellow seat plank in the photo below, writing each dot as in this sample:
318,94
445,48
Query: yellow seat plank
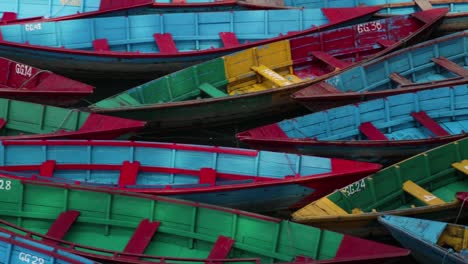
421,194
271,75
293,78
461,166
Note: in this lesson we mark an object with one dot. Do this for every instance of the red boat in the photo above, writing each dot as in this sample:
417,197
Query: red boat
23,82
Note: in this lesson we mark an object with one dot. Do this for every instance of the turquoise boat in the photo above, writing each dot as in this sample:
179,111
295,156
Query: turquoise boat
431,242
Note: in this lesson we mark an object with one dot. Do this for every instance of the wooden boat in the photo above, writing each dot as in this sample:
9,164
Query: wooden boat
239,178
23,120
17,248
434,63
18,11
383,130
143,47
130,228
430,242
455,20
27,83
257,82
423,186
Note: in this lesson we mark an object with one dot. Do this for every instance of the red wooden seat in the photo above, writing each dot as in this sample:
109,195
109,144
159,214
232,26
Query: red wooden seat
429,123
61,226
141,237
47,168
371,132
101,45
2,123
207,175
329,59
8,16
386,42
165,43
229,39
128,173
221,248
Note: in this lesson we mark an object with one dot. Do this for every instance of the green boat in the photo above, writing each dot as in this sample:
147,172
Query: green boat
135,228
24,120
423,186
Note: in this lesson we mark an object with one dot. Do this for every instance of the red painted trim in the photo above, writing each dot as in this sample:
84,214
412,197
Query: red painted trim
122,143
116,256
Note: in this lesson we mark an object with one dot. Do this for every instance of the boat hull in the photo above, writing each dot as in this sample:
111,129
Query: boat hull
421,250
150,64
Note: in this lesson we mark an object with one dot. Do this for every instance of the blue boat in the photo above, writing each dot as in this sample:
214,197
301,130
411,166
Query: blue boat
383,130
20,11
455,20
19,249
144,47
430,242
435,63
238,178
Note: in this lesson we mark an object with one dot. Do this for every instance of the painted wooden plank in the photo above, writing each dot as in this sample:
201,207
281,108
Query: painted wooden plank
221,248
396,77
450,66
328,207
421,194
2,123
101,45
9,16
207,175
423,4
47,168
141,238
229,39
329,59
211,90
371,132
165,43
461,166
271,75
61,226
386,42
429,123
129,173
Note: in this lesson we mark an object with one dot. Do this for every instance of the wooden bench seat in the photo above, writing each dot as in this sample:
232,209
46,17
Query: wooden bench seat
128,173
221,248
165,43
61,226
429,123
450,66
386,42
211,90
229,39
421,194
207,175
371,132
324,207
400,79
47,168
423,4
329,59
141,238
271,75
461,166
101,45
